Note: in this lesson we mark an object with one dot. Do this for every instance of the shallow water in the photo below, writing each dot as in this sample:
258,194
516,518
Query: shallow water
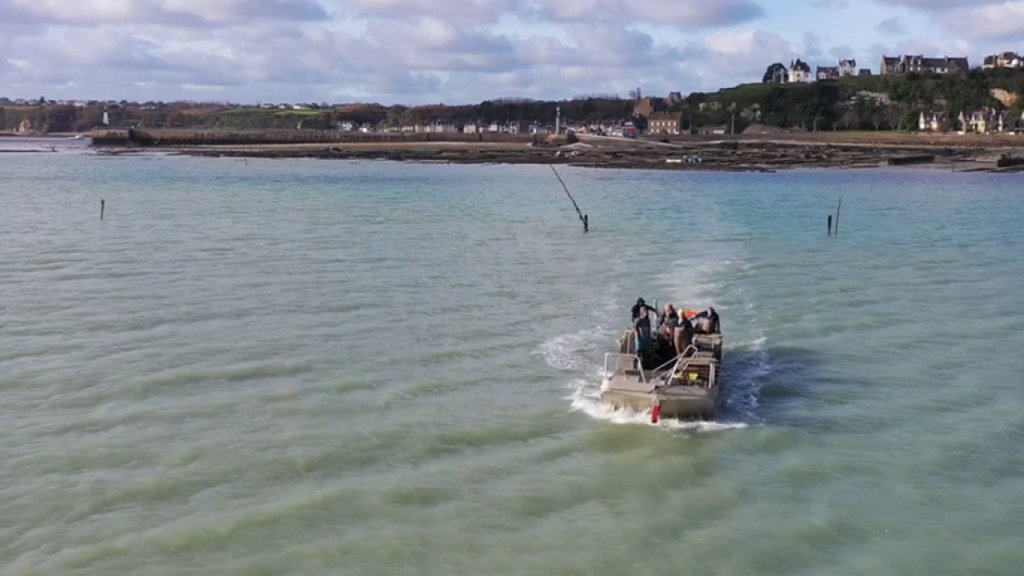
268,367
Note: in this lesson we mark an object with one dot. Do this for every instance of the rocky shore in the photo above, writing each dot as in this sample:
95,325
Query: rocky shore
739,153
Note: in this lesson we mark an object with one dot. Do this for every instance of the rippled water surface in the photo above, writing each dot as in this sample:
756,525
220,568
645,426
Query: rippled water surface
329,367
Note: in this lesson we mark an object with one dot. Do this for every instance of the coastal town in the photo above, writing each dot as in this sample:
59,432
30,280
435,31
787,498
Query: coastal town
915,109
909,92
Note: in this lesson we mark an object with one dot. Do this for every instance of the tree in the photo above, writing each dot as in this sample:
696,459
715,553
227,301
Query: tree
640,122
775,74
60,118
909,120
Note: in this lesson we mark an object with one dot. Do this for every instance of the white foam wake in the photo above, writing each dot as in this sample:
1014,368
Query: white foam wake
569,351
585,398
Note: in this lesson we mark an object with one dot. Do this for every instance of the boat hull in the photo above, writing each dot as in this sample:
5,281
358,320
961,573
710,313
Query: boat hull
677,401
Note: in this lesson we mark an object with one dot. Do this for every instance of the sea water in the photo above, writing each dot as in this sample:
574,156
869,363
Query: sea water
338,367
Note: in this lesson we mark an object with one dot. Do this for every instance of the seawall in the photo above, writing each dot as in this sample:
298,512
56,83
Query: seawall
181,137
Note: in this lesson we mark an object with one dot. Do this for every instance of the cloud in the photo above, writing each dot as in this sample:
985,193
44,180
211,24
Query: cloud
1003,21
744,53
812,48
894,26
830,4
661,12
432,44
927,47
983,20
842,52
161,12
477,11
457,51
938,5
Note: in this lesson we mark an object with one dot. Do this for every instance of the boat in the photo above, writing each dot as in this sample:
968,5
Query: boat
682,386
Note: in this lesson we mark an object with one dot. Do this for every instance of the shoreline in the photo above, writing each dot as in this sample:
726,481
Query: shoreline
747,156
759,153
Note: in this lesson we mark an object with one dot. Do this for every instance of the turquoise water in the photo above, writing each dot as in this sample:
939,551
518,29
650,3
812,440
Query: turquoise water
330,367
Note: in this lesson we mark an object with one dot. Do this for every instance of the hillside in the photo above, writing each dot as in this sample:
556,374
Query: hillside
864,103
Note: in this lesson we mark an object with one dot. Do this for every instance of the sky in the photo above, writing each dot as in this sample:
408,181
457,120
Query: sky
461,51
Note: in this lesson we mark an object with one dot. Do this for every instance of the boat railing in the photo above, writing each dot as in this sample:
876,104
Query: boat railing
625,364
683,362
635,366
673,361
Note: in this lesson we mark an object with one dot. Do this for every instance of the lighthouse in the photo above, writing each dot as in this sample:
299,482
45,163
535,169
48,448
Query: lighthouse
558,120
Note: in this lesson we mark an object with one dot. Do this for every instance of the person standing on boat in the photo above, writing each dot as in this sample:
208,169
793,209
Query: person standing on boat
668,322
708,322
683,336
642,327
639,306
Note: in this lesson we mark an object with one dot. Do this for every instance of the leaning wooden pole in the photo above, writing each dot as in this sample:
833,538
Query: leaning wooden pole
838,207
586,223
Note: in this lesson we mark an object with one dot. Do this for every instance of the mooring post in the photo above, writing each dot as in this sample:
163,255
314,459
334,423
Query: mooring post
586,223
839,206
829,224
103,205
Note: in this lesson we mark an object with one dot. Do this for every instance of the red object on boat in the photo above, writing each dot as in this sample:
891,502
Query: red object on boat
655,413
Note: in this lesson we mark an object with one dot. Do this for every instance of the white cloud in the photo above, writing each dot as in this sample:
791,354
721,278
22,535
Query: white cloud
745,54
830,4
160,12
477,11
457,51
1003,21
748,44
667,12
939,5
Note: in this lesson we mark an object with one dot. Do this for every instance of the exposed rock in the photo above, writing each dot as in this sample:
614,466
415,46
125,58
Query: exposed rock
1005,97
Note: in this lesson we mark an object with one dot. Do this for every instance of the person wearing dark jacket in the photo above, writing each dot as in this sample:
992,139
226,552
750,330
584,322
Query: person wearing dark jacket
641,305
642,327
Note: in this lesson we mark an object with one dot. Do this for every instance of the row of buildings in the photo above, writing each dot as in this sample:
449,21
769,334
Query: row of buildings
918,63
1003,60
800,71
984,121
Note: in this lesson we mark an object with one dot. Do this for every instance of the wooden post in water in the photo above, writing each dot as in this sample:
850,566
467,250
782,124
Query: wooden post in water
829,224
583,217
838,207
103,205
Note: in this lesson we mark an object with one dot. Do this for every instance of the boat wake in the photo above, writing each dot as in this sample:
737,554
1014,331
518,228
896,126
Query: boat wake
747,361
574,352
585,398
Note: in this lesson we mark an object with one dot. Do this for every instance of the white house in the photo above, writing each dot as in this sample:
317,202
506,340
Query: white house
848,67
800,71
1003,60
932,121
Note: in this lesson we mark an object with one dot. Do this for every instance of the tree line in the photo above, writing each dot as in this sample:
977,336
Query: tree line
44,118
864,103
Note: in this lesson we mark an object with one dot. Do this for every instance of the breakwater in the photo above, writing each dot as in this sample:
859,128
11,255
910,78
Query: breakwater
184,137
